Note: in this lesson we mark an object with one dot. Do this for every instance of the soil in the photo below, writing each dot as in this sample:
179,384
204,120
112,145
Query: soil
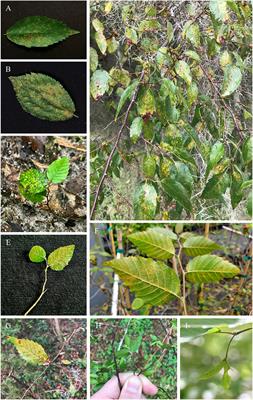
65,208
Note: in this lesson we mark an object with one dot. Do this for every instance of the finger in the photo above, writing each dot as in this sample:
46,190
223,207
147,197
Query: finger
132,388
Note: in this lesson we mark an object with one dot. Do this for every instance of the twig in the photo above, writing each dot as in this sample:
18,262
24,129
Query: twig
115,362
42,292
237,232
21,383
109,160
183,279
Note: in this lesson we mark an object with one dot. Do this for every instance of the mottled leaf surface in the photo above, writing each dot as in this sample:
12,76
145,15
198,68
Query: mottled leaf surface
32,185
145,202
232,80
199,245
99,84
39,31
30,351
60,258
153,244
43,97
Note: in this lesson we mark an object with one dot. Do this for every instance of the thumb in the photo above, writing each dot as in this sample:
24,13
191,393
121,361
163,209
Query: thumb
132,388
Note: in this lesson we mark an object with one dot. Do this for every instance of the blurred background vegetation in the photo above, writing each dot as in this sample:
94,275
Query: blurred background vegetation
200,353
64,379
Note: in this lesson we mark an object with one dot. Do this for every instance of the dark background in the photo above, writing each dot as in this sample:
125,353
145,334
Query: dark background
72,76
72,13
22,280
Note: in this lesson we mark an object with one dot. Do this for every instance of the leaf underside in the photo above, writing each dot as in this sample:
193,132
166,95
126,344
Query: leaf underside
151,281
43,97
153,244
29,350
210,268
39,31
199,245
60,258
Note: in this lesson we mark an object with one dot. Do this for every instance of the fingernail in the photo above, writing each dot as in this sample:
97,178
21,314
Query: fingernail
133,384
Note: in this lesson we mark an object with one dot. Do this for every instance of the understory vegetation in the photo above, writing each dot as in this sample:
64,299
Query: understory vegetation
172,82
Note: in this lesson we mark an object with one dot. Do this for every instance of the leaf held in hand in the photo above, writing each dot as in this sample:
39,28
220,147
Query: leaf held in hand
153,244
37,254
60,258
39,31
43,97
58,170
30,351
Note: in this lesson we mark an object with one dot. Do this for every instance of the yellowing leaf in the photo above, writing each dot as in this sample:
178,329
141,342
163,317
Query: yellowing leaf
131,34
145,202
199,245
136,129
183,70
219,9
30,351
98,25
60,258
101,41
112,45
192,33
108,7
146,102
170,32
232,80
153,244
93,59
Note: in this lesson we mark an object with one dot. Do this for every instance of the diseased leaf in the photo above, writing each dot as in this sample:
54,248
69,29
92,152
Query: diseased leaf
128,92
101,42
153,244
131,34
32,185
192,93
37,254
119,76
232,80
108,7
178,192
136,129
149,25
39,31
149,166
146,102
199,245
145,202
43,97
192,54
60,258
183,70
112,45
97,25
213,371
216,154
236,192
219,9
58,170
247,150
225,59
210,268
153,282
30,351
216,187
99,84
192,33
93,59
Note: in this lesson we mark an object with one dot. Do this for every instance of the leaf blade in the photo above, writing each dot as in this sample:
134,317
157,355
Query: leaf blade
199,245
153,244
30,351
58,170
60,258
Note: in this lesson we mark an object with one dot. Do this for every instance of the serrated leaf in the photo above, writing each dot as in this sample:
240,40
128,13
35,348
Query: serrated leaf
232,80
58,170
216,154
136,129
125,96
39,31
145,202
37,254
60,258
210,268
183,70
164,231
93,59
146,102
153,244
213,371
199,245
153,282
219,9
43,97
131,34
32,185
101,42
99,84
30,351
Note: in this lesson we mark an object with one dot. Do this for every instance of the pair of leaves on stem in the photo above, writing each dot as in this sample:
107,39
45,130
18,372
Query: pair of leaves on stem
39,31
30,351
57,260
43,97
226,380
33,183
155,283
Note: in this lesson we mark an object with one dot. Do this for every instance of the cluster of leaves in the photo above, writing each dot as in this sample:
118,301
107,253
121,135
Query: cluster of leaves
57,260
153,281
33,184
142,350
189,127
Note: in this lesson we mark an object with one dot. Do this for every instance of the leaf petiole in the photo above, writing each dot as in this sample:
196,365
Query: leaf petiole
42,292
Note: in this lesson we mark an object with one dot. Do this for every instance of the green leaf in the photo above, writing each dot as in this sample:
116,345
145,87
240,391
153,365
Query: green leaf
149,25
58,170
43,97
183,70
93,59
170,32
232,80
101,42
131,34
199,245
153,282
215,187
119,76
37,254
149,166
32,185
247,150
97,25
136,129
60,258
226,380
210,268
146,102
225,59
153,244
236,192
137,303
39,31
219,9
145,202
216,154
192,93
178,192
212,330
213,371
249,205
99,84
192,33
192,54
128,92
164,231
112,45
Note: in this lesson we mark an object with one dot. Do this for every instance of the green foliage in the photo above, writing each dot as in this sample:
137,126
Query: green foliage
43,97
33,184
37,254
60,258
39,31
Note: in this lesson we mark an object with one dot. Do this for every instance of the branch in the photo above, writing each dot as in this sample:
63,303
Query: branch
42,292
109,160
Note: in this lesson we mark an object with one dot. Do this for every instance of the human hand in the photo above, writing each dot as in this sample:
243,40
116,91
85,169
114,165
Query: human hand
133,387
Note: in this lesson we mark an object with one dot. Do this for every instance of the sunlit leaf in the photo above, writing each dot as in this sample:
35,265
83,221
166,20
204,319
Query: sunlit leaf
145,202
219,9
101,41
99,83
58,170
183,70
136,129
93,59
153,244
30,351
232,80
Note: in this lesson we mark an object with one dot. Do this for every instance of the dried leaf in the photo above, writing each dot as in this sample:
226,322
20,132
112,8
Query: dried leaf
43,97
